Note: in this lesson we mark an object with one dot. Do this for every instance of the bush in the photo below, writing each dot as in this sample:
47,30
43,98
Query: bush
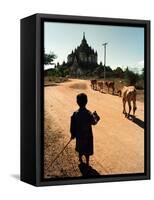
118,73
131,77
140,85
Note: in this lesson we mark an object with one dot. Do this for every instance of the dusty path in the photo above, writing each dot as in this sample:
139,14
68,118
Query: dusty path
118,142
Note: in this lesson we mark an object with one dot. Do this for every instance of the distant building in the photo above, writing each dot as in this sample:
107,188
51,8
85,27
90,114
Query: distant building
82,59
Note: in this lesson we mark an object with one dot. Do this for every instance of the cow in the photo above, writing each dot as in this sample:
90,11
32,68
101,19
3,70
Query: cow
100,85
94,84
128,94
119,92
110,84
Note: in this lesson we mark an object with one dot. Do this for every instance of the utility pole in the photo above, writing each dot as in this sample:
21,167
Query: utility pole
104,44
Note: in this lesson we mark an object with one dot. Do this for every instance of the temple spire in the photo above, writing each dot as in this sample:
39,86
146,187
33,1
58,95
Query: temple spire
83,35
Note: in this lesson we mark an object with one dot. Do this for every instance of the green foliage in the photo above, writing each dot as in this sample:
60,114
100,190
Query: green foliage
49,58
63,72
142,75
140,84
118,72
108,69
99,71
51,72
57,72
131,77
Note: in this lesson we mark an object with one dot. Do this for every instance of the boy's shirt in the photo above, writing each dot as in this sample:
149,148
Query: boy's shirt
81,122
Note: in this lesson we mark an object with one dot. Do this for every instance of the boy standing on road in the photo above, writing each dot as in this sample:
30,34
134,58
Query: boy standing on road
81,128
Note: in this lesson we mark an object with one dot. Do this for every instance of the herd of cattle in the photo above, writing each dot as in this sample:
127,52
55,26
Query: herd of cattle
128,94
99,85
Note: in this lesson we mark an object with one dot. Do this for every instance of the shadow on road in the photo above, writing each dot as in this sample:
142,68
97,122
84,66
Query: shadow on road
88,171
138,121
51,84
116,94
102,92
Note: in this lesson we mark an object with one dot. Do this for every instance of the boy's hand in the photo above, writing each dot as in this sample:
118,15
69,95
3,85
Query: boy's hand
96,115
72,137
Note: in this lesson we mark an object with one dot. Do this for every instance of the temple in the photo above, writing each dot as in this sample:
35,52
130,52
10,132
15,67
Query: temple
81,59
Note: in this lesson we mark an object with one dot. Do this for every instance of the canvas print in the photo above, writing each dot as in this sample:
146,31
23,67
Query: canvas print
93,100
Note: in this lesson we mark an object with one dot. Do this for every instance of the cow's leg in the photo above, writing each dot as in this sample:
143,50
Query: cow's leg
95,87
98,89
113,90
129,105
124,107
134,108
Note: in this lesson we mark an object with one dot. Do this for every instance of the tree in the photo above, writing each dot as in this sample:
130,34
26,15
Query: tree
118,72
108,69
131,77
142,75
49,58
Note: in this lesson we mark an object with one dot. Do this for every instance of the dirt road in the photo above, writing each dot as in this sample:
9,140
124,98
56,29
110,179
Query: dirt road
118,142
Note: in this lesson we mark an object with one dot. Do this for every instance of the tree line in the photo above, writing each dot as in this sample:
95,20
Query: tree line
130,77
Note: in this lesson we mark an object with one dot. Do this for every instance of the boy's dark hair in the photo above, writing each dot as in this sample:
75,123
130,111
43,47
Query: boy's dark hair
82,99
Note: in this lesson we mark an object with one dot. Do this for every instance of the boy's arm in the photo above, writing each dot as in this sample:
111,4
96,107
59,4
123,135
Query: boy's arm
72,127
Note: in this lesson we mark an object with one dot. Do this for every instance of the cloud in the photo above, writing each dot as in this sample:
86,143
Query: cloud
137,68
48,67
141,63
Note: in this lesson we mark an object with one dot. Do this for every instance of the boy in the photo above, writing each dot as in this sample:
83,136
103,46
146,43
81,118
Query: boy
81,128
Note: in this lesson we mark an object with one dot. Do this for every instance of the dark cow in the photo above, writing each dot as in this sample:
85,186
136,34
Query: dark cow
100,85
94,84
110,84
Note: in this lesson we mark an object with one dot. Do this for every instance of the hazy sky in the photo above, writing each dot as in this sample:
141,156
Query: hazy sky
125,44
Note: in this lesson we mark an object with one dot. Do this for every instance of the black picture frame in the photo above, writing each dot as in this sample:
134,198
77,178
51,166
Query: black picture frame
32,97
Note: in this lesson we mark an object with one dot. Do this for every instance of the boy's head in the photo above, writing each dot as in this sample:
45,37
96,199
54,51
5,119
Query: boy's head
82,99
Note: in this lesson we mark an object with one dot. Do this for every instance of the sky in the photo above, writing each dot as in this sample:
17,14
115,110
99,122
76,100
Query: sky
125,44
